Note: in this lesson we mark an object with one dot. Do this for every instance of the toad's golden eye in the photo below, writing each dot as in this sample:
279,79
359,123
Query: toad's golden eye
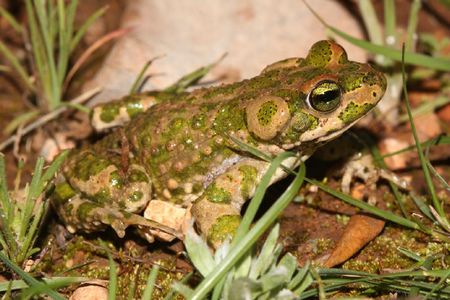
325,96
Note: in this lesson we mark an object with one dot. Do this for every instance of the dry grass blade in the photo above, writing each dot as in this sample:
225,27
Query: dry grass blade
88,52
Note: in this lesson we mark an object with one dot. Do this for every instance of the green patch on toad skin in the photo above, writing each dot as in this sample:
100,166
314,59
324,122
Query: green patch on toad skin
288,95
84,210
306,74
88,165
198,121
319,55
109,112
230,117
63,192
134,108
137,176
249,174
266,112
102,196
354,111
225,227
227,89
115,180
217,195
352,81
135,196
301,122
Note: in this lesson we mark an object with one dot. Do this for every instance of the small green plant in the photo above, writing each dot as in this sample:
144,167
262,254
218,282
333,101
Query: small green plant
50,39
22,210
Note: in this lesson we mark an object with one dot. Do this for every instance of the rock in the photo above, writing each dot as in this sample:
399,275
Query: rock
90,291
192,34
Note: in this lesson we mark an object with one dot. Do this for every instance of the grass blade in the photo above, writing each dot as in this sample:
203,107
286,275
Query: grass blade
148,291
80,33
29,279
11,20
112,287
412,25
387,215
371,21
426,172
16,65
390,22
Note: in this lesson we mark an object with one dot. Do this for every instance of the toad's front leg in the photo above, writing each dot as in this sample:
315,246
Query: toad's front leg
217,210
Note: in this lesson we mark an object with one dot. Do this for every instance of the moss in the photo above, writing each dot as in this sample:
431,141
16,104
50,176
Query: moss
217,195
354,111
266,112
224,227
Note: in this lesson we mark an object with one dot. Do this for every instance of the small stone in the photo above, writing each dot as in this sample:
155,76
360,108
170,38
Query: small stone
92,291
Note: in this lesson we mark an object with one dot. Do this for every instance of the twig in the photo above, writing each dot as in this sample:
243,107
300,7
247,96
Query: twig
48,117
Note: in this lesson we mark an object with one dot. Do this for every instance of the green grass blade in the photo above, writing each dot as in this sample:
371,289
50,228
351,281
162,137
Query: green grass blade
390,22
426,172
192,78
44,18
412,25
54,281
17,66
248,240
148,291
39,57
426,107
11,20
379,162
387,215
20,120
63,40
440,179
371,21
112,287
6,212
80,33
29,279
52,169
199,253
135,88
31,233
32,195
258,197
440,140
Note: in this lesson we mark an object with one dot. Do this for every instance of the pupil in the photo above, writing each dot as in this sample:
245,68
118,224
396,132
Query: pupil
325,97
